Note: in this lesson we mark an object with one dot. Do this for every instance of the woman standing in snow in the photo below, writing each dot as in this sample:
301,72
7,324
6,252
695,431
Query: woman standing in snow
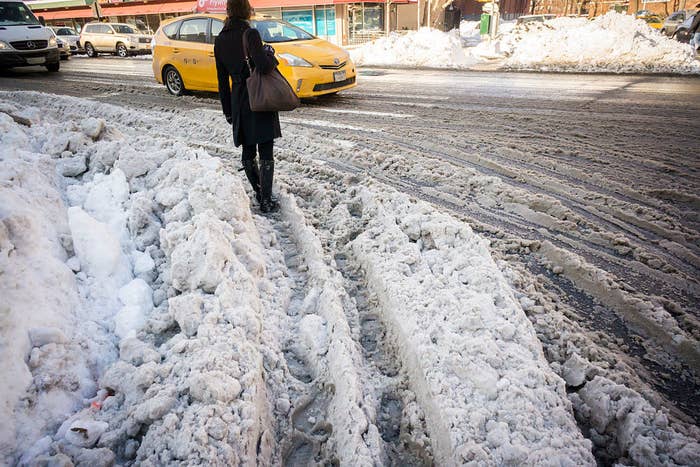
250,129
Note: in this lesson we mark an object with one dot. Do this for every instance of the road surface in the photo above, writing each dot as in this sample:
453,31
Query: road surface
587,187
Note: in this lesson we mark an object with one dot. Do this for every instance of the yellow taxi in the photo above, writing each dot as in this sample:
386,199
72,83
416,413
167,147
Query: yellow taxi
183,55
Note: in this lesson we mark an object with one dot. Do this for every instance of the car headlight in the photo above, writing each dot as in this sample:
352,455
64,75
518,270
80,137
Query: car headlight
5,46
52,42
293,60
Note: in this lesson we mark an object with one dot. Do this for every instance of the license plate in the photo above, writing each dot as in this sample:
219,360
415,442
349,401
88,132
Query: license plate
339,76
35,60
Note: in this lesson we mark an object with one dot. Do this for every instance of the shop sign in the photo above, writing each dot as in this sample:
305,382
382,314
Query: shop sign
211,6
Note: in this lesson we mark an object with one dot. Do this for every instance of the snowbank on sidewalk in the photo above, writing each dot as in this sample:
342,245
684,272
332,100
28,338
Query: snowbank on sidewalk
613,42
131,287
52,258
423,48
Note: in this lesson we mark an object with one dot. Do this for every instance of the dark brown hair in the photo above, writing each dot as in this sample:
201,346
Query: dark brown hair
238,9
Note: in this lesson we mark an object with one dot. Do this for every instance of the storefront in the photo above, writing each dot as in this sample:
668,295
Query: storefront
339,21
319,20
144,15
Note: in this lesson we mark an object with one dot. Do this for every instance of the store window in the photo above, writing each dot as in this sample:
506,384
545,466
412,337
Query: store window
271,12
366,17
303,19
325,21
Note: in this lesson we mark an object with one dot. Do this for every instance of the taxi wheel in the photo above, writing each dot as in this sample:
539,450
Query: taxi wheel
90,50
122,50
173,81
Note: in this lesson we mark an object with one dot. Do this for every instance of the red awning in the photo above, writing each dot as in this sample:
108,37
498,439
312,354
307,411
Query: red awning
211,6
121,10
219,6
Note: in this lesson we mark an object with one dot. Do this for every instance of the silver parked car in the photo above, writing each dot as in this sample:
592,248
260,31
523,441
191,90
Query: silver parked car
117,38
674,20
62,44
68,35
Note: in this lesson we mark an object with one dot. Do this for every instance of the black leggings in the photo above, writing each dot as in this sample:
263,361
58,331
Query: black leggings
264,149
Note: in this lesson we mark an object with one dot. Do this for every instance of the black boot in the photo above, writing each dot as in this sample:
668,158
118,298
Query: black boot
267,169
253,173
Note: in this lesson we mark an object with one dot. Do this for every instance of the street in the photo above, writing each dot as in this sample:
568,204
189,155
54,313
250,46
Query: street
587,188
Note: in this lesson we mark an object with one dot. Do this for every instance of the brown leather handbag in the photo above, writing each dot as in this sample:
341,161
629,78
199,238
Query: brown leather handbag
268,92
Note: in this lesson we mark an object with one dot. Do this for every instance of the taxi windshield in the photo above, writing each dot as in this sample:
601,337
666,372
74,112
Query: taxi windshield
280,31
123,29
16,14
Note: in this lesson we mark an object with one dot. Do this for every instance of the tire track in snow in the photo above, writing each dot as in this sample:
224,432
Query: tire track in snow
675,385
391,405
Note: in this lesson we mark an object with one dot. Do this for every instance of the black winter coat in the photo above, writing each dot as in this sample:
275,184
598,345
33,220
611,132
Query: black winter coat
248,127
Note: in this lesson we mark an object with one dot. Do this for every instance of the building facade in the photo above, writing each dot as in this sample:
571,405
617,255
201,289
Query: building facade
339,21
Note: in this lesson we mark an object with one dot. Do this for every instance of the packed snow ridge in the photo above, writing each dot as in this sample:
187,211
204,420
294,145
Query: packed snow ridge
614,43
144,310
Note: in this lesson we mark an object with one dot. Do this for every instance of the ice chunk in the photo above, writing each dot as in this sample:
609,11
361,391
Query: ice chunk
43,336
136,352
95,245
214,386
92,127
143,263
137,292
187,310
85,433
312,329
574,371
74,263
72,166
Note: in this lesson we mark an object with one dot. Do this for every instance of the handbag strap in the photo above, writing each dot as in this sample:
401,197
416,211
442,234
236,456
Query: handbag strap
245,50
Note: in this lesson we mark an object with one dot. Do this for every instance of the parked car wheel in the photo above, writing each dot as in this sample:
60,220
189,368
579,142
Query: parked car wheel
53,67
173,81
122,51
90,50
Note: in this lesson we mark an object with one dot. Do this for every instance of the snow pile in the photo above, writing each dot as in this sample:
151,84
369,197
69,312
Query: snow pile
629,429
45,321
470,33
613,42
475,363
423,48
136,305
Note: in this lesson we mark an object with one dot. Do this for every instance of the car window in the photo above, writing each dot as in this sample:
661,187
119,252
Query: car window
194,30
216,27
170,30
88,28
16,14
280,31
123,29
677,17
66,32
